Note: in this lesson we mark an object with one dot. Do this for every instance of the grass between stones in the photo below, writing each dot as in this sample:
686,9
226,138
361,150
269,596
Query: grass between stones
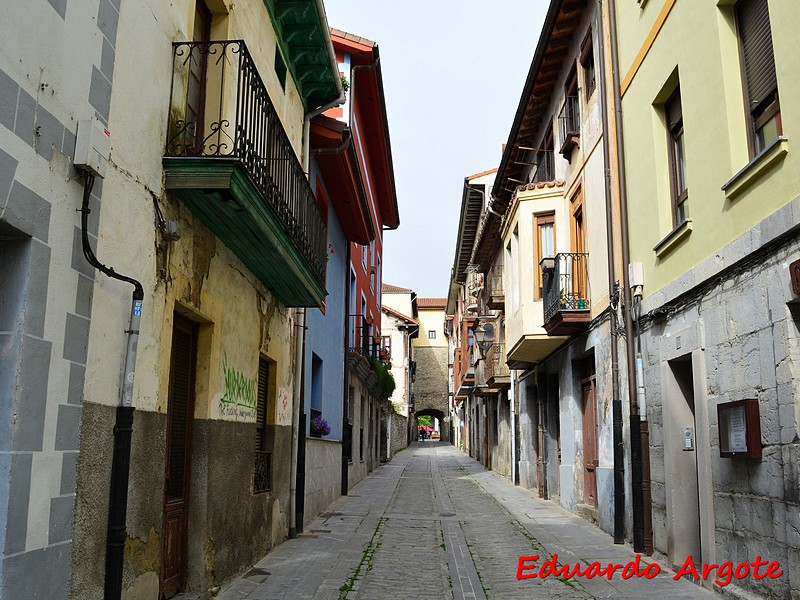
365,563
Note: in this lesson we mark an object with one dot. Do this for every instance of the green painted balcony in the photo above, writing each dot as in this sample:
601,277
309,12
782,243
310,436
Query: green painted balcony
230,161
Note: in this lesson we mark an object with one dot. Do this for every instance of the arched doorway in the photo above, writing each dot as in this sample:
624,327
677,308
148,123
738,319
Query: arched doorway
439,428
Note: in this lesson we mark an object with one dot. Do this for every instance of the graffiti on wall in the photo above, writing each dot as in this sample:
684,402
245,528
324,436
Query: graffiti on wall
239,399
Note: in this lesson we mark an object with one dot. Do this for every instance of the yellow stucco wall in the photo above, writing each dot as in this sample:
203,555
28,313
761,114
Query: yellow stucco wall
197,275
697,46
431,320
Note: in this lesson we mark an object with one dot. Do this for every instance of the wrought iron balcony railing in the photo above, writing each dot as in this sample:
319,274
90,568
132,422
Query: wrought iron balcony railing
569,124
220,109
363,338
494,285
545,167
495,362
565,285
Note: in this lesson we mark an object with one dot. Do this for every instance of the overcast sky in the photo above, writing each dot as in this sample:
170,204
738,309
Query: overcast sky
453,72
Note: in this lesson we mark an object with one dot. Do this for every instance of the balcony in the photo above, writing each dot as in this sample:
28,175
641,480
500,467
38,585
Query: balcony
497,372
495,296
566,294
362,338
463,372
544,167
569,125
230,161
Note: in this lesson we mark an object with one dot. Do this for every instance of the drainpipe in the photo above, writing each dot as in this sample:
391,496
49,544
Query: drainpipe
616,402
297,437
123,426
635,420
346,385
300,313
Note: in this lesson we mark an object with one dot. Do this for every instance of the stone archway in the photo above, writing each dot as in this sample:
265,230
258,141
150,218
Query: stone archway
444,426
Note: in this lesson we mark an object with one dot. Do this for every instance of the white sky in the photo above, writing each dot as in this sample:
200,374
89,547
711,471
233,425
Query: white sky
453,72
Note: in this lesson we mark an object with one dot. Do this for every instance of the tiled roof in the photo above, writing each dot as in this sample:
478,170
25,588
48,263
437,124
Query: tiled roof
387,288
482,173
353,38
397,314
432,303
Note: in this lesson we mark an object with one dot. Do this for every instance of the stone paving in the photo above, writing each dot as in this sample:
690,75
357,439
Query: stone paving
434,524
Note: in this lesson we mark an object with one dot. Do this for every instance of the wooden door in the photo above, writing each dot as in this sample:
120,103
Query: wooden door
180,415
590,462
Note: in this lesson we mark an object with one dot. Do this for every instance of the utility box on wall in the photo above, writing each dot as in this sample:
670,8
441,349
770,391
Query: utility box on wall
739,429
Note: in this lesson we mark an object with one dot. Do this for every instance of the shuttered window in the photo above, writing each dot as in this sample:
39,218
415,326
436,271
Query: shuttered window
262,471
261,406
758,66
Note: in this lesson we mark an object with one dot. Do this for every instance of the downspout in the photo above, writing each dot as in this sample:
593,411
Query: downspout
635,419
347,444
616,402
123,426
300,313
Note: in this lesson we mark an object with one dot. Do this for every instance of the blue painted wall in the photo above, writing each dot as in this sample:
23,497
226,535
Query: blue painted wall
325,334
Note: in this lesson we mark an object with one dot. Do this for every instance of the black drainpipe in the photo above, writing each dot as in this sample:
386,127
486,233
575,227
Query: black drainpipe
635,422
123,426
616,402
347,431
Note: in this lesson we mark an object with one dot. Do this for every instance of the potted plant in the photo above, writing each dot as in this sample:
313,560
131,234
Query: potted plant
319,426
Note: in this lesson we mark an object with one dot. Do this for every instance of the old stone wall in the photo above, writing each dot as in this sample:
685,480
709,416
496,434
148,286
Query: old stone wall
735,340
399,435
430,387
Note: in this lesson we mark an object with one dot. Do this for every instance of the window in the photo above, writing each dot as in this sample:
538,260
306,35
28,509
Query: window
386,347
545,170
758,66
432,334
316,390
676,148
262,475
280,68
545,238
587,63
364,256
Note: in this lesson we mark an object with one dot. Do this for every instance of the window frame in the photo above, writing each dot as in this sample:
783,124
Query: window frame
587,57
676,148
769,107
431,334
540,219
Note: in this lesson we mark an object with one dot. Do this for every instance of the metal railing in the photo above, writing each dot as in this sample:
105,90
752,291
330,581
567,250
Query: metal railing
262,474
545,167
495,362
565,286
569,119
220,108
494,280
362,337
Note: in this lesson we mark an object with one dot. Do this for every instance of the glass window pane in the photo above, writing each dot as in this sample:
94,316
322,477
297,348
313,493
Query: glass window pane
548,242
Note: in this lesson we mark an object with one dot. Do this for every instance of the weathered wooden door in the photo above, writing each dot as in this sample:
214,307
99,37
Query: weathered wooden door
589,410
180,414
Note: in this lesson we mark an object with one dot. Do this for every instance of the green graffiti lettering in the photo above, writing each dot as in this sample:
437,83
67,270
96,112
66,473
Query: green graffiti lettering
239,389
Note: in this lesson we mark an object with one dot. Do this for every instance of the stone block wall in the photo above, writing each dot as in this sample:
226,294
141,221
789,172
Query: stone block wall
741,341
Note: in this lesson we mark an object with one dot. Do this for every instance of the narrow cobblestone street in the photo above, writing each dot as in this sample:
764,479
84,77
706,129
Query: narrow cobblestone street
433,523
